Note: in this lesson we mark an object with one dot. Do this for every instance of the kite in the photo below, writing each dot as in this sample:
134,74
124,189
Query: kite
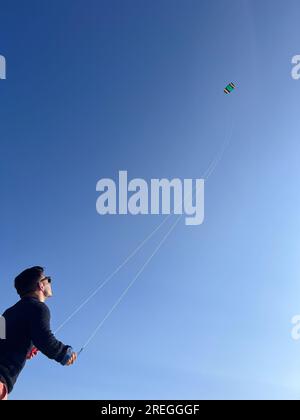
229,88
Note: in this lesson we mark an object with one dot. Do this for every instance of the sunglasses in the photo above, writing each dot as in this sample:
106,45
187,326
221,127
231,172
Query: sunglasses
47,278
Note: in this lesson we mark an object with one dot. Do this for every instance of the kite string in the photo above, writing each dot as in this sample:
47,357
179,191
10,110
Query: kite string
117,303
212,166
140,246
208,173
88,299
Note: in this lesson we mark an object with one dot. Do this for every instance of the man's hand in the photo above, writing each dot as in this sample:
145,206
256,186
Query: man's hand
72,359
33,352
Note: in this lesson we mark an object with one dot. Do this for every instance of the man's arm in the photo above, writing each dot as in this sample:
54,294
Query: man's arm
43,338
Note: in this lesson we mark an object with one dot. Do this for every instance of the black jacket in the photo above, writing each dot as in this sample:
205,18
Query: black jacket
27,325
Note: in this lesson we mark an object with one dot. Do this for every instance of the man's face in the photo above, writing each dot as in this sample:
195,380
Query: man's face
46,288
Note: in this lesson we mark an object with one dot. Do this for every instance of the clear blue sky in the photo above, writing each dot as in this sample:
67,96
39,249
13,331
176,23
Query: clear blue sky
94,87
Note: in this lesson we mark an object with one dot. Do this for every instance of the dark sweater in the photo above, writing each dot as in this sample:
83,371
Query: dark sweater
27,325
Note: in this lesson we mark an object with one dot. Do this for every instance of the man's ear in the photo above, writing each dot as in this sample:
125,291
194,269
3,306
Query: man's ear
40,286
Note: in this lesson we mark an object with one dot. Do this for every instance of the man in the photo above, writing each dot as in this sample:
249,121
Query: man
28,330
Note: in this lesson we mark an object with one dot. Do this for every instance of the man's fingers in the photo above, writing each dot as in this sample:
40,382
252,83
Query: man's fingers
73,358
32,353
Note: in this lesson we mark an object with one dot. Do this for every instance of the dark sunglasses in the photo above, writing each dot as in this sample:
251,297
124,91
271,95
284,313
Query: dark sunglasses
47,278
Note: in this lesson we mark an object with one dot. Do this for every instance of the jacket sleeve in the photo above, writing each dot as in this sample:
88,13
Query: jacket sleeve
42,336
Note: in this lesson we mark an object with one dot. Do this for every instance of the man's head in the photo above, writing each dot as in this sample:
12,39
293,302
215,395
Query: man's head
33,282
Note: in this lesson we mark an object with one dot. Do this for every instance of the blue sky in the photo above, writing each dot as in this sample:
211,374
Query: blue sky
96,87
